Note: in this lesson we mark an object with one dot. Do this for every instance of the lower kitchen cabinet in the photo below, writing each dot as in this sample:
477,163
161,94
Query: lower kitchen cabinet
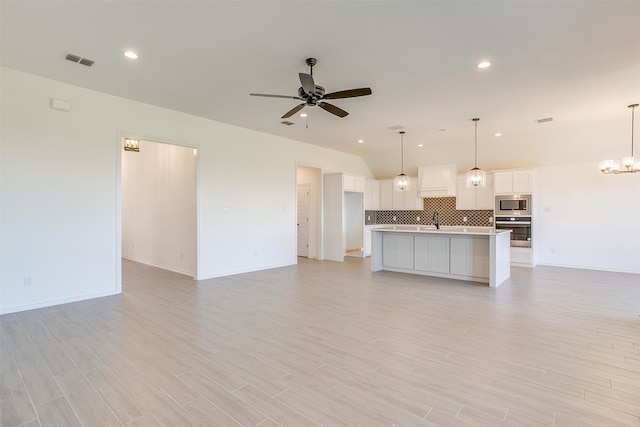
397,251
431,254
469,256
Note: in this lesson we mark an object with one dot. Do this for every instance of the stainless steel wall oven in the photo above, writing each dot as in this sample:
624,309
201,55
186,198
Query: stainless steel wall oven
520,227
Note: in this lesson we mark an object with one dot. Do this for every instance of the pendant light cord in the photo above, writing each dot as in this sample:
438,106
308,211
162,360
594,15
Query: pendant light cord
475,145
633,111
402,152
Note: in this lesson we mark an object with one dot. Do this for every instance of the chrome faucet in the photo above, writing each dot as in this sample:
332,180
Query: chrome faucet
436,220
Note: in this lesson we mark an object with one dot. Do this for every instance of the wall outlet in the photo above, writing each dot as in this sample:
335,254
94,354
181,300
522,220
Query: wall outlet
27,281
464,219
553,250
368,217
395,219
417,219
490,220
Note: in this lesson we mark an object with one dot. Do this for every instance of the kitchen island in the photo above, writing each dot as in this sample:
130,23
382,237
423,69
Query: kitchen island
478,254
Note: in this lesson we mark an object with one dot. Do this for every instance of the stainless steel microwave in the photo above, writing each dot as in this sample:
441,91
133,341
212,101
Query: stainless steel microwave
513,205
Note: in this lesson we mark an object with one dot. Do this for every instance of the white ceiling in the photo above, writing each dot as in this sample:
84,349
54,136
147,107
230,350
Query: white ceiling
576,61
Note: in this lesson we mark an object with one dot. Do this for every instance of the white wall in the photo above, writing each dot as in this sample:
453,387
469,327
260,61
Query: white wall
60,182
585,219
159,206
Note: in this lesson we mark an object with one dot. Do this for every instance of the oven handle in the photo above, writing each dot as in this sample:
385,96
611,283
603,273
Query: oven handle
513,223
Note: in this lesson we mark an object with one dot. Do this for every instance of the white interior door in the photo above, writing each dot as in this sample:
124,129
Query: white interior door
303,219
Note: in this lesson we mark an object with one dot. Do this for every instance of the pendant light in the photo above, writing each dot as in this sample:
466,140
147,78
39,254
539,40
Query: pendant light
476,177
629,163
402,182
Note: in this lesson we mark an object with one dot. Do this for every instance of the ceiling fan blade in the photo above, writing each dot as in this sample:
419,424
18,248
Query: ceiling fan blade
351,93
274,96
307,82
294,110
333,109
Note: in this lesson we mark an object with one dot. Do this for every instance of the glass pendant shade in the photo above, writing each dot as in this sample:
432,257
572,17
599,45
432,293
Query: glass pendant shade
476,178
402,182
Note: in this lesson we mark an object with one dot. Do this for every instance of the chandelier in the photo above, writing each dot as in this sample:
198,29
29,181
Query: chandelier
629,163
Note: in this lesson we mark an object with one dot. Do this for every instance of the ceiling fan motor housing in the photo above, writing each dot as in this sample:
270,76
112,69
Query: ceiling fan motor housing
311,98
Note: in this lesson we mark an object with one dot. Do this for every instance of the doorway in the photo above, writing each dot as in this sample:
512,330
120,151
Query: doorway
308,213
158,206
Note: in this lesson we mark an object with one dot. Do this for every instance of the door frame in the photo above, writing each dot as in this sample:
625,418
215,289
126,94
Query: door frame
316,217
120,135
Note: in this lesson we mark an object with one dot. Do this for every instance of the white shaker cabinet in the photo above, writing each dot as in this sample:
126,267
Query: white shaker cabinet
475,198
469,256
371,195
407,200
516,181
431,254
397,251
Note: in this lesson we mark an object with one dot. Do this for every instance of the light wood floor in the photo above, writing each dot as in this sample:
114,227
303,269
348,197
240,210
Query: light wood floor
331,344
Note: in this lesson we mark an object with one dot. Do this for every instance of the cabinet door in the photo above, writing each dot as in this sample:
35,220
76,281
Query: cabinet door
397,250
398,199
466,196
358,184
375,195
522,182
411,199
503,182
485,200
470,256
431,253
367,194
349,182
386,195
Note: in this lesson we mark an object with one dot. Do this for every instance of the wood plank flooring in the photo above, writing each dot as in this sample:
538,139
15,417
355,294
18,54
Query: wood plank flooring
330,344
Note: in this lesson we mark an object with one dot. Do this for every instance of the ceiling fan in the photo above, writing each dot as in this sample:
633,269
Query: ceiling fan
313,94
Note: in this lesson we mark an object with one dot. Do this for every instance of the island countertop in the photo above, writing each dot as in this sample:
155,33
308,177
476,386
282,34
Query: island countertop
474,231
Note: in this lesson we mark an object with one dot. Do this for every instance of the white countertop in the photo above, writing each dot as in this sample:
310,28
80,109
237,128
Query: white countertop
478,231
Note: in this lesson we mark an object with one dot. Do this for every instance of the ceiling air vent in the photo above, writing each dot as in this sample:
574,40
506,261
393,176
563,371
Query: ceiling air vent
545,120
79,59
287,123
396,127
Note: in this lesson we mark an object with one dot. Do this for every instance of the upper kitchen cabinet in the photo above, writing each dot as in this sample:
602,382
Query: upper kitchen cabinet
474,198
353,183
407,200
513,181
371,195
437,181
393,200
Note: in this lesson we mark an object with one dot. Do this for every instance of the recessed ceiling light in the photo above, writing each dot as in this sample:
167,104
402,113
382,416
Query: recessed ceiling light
303,114
420,145
484,64
360,141
497,134
131,54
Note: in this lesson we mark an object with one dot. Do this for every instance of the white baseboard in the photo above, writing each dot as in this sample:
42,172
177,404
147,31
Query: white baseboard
164,267
50,303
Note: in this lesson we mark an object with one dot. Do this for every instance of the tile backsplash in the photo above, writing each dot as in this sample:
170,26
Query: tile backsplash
445,206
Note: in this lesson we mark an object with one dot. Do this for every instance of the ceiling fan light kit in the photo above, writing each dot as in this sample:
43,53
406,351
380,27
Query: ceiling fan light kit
312,94
629,163
402,182
476,177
